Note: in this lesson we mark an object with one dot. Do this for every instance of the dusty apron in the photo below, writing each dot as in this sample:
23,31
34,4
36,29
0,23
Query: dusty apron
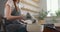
14,25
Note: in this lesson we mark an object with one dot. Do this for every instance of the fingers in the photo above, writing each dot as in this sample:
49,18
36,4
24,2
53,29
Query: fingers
22,17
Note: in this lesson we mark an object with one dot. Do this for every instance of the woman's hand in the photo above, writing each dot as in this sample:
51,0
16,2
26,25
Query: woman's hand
22,21
22,17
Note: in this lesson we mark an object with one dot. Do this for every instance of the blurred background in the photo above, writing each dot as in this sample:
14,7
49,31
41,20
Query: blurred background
43,11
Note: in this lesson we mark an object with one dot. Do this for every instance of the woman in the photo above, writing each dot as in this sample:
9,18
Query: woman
12,14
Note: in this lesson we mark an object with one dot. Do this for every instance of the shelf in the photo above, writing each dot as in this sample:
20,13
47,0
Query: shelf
30,7
29,10
30,3
37,1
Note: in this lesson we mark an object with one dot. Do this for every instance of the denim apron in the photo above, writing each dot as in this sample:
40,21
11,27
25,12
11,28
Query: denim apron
14,13
14,25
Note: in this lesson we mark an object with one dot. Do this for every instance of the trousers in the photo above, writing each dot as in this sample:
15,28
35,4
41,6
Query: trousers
16,28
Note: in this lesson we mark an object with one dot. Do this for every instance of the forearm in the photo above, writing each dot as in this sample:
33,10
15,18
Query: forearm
13,17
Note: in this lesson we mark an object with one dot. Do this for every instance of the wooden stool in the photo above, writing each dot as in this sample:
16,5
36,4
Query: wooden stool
2,24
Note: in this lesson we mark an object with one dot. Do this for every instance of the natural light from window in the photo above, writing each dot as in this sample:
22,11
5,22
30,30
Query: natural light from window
52,6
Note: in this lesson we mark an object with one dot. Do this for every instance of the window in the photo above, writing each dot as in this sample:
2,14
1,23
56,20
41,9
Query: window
52,6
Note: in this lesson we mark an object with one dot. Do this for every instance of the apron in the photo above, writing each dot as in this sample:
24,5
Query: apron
14,13
14,25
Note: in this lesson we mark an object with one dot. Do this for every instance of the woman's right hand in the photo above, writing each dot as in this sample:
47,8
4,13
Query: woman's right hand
21,18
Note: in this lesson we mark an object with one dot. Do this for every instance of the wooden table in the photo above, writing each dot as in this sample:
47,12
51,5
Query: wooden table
57,25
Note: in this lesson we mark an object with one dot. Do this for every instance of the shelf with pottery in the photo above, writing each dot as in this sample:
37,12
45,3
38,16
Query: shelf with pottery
30,3
37,1
30,7
26,9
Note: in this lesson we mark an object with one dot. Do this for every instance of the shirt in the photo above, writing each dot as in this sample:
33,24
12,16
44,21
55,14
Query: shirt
11,4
